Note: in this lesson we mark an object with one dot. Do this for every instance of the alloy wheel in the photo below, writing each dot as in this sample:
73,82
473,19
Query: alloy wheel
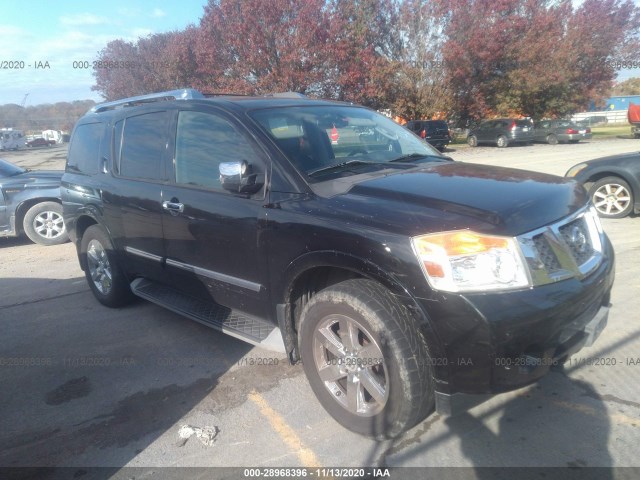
351,365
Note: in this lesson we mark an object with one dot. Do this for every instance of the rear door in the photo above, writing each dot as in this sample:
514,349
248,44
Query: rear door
212,237
133,201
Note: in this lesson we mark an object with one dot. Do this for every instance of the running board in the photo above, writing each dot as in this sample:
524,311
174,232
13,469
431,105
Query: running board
245,327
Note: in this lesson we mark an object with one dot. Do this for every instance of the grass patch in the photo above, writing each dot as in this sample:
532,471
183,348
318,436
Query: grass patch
611,131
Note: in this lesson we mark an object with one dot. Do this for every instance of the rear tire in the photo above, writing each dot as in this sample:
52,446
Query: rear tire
44,225
104,275
366,360
472,141
552,139
502,142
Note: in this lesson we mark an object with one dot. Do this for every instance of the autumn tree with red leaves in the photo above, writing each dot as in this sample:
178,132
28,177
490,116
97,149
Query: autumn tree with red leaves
534,57
258,46
419,58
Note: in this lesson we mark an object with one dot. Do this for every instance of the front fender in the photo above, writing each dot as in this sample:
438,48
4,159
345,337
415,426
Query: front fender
368,269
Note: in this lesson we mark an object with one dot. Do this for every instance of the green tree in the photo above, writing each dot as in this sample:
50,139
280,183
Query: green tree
630,86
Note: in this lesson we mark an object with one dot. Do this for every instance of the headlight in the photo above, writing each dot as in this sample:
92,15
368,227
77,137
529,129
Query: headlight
464,261
576,169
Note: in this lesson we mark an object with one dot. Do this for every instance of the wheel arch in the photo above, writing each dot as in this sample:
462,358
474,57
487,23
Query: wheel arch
24,206
313,272
82,222
612,172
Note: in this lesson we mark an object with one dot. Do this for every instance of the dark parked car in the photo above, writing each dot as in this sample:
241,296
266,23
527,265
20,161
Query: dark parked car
404,281
30,204
613,183
563,131
501,132
435,132
40,142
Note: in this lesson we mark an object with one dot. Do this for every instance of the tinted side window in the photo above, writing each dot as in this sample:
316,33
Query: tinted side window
203,141
84,151
143,145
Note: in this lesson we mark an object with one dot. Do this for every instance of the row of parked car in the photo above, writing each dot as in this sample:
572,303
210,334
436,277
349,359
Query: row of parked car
503,132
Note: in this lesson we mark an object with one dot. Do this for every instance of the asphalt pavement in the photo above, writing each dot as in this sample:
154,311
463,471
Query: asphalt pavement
87,386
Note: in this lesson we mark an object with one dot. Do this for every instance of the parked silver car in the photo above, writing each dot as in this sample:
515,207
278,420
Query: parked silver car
564,131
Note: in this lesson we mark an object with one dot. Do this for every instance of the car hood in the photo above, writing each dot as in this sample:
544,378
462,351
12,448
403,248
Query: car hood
44,174
38,177
437,197
623,159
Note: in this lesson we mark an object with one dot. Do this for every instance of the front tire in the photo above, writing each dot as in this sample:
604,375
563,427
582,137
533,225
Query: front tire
44,225
366,360
612,197
472,141
104,275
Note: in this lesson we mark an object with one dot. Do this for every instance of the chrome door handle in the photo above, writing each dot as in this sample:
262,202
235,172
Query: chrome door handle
173,206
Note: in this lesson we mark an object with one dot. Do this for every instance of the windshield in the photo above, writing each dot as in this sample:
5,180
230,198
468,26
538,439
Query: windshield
320,138
9,169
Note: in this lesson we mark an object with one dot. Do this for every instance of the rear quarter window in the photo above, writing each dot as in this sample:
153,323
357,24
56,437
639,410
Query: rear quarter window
84,151
143,146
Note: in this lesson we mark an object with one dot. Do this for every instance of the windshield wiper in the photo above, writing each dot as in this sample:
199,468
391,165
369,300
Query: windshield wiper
415,156
341,165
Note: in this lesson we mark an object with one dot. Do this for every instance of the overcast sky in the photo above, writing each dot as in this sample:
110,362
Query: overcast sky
69,31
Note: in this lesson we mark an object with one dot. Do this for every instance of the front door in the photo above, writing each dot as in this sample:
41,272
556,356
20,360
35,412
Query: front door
212,237
485,132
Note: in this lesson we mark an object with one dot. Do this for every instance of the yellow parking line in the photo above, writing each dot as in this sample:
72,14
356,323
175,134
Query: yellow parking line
288,435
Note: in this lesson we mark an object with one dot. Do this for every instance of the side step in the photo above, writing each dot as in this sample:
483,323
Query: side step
245,327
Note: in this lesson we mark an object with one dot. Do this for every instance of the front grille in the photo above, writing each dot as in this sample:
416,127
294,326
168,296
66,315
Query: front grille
569,248
545,254
576,236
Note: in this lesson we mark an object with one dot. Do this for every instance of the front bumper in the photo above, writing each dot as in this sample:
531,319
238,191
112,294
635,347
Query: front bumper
526,366
497,342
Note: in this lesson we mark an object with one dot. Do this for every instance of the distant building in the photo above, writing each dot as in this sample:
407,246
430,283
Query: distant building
622,102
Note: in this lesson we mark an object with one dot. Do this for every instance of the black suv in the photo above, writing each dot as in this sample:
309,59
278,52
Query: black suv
434,132
403,280
30,204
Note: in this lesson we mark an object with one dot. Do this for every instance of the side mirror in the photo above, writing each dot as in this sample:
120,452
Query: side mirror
237,177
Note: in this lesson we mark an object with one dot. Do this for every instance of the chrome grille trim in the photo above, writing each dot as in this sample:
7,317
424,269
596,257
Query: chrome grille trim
571,247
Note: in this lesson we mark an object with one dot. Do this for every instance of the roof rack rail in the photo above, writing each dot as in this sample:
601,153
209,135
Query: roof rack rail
224,94
286,95
182,94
